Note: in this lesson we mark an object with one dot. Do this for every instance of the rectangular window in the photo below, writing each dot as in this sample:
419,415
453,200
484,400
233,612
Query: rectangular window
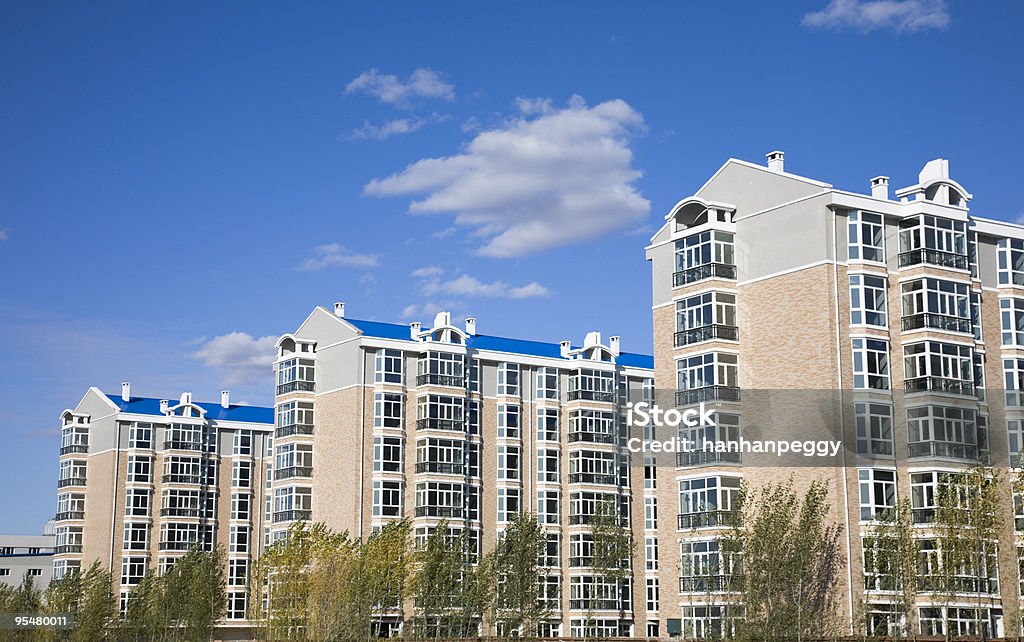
472,459
874,429
136,537
442,369
132,570
867,300
387,498
551,556
508,462
1011,316
933,240
877,493
241,474
508,421
547,424
242,443
943,431
440,456
508,503
387,454
650,513
547,383
592,385
387,366
440,412
236,606
944,367
472,417
653,594
548,506
548,465
140,469
651,553
704,255
866,237
388,410
238,570
707,370
508,379
936,303
238,539
439,499
136,502
295,374
140,435
294,418
592,426
1011,261
870,364
707,501
241,506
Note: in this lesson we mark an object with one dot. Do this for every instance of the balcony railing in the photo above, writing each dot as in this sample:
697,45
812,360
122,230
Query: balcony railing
292,515
179,478
706,519
922,515
701,272
941,385
439,511
451,381
592,437
183,445
70,481
179,546
77,449
67,548
296,386
702,583
707,333
933,257
961,584
575,520
294,429
945,449
433,423
593,478
442,467
69,514
591,395
938,322
594,605
702,457
182,511
707,393
293,471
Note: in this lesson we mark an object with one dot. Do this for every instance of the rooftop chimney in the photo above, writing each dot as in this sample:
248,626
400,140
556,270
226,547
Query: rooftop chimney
564,348
775,160
613,345
225,398
880,187
163,406
339,309
126,391
414,329
471,326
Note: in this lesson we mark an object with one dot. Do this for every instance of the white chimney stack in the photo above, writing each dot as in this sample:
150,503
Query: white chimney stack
186,397
225,398
776,161
126,391
564,348
471,326
414,329
613,345
880,187
339,309
163,406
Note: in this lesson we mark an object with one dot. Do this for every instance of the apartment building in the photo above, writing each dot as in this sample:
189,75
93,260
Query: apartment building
378,421
144,480
907,307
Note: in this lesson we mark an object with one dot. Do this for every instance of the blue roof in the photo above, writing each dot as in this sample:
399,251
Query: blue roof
497,344
151,406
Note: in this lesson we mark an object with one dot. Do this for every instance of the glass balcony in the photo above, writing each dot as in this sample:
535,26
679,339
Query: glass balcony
294,429
183,445
70,514
933,257
702,583
74,449
593,478
702,272
292,515
70,481
940,385
439,511
706,519
293,471
944,449
592,437
452,381
938,322
707,393
706,333
178,478
702,457
444,468
591,395
435,423
296,386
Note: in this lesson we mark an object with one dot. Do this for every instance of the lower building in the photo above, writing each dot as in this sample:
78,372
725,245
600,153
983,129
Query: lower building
144,480
30,555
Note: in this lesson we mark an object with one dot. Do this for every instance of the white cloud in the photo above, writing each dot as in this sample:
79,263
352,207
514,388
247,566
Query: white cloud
396,127
424,309
3,235
427,272
239,358
422,83
564,176
466,285
336,255
872,15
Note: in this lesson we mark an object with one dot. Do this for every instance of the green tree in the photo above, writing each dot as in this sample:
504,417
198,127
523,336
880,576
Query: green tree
518,608
87,595
25,598
786,580
890,564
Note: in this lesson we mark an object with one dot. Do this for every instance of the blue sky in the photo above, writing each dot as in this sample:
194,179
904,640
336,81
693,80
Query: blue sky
180,182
